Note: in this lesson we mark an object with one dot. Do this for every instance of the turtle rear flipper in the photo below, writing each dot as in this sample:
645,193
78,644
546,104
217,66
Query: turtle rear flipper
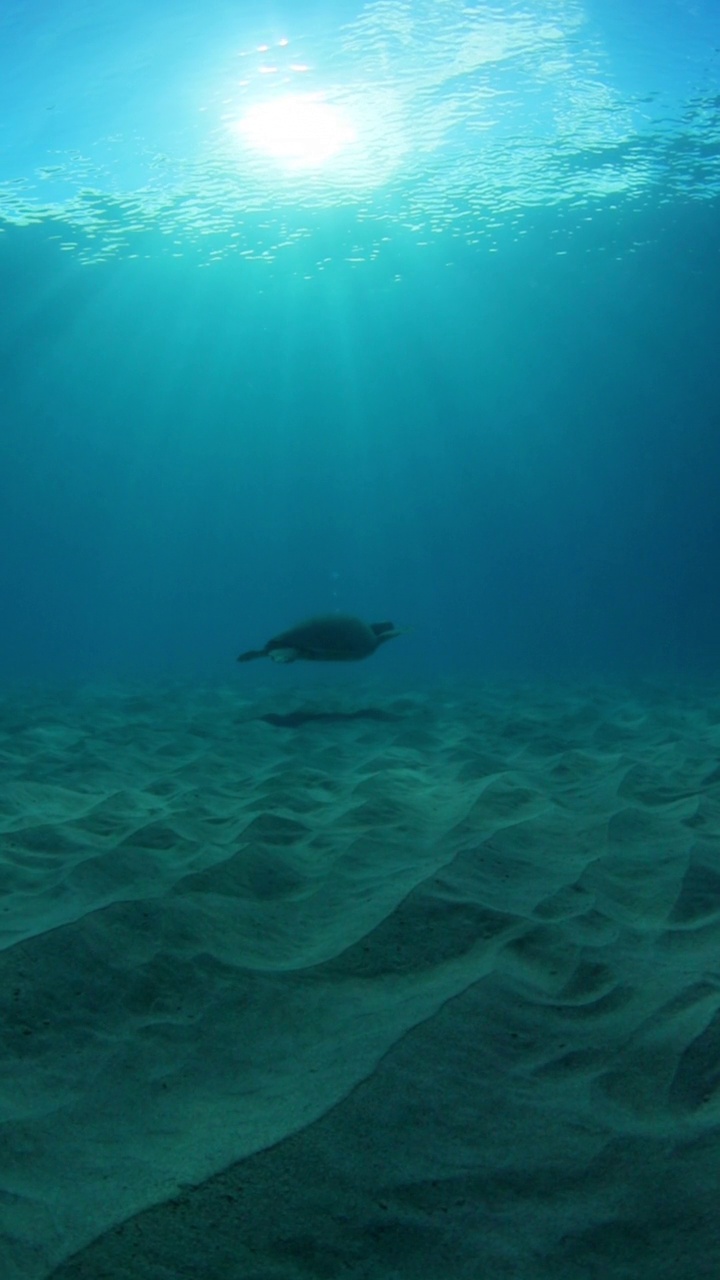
284,653
252,653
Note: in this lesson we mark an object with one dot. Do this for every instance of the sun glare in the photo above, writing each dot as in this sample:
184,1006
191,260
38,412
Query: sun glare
301,131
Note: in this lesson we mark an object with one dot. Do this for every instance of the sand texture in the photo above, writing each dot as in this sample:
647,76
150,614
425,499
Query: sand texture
360,983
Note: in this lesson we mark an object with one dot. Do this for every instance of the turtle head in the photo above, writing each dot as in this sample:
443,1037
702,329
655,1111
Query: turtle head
386,631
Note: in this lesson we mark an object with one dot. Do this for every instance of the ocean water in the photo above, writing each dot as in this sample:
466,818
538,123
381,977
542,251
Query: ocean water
409,310
444,353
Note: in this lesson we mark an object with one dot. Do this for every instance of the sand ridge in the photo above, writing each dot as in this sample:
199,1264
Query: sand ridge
223,935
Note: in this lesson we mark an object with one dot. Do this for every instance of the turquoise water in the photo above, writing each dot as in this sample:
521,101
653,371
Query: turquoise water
404,310
404,969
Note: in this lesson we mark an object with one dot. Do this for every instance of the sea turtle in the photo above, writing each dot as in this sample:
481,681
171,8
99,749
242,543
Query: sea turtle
335,637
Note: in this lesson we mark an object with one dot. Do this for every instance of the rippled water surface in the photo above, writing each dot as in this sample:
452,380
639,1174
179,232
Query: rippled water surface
183,129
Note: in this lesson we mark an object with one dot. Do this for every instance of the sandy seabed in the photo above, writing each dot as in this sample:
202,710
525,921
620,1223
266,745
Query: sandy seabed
360,983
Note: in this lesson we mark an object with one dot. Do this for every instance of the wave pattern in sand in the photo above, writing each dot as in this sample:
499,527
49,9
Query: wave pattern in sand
414,985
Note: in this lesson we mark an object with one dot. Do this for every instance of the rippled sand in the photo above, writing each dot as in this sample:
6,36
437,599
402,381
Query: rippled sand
352,984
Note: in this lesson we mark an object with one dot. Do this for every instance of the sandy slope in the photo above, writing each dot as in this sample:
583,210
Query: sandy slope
382,986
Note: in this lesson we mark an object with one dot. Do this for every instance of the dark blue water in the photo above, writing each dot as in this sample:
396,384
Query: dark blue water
516,455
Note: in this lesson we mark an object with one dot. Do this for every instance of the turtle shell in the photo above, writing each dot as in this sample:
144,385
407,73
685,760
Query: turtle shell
331,638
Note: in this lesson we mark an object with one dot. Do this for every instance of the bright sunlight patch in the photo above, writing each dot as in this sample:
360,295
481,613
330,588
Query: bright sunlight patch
301,131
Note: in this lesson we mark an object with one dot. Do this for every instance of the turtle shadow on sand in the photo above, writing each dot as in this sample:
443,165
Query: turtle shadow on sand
294,719
333,637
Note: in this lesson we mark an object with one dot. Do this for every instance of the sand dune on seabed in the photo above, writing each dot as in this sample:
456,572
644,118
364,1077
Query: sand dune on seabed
385,984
